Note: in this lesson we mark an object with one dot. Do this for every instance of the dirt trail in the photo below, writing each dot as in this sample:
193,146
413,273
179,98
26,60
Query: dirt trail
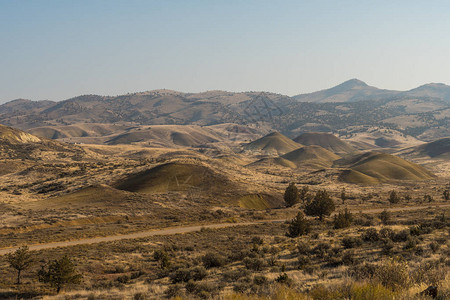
186,229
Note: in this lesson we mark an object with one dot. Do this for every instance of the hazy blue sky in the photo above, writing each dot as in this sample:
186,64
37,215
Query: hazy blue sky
60,49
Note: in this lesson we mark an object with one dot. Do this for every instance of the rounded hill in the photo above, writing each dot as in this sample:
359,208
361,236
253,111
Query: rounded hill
313,156
176,176
273,143
382,167
325,140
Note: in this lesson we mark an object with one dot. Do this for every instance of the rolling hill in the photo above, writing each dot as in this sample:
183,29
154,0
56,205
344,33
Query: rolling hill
17,144
167,136
376,167
437,149
325,140
311,156
273,143
175,176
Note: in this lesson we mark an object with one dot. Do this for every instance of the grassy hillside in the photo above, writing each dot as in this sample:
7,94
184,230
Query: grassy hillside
325,140
382,167
314,156
273,143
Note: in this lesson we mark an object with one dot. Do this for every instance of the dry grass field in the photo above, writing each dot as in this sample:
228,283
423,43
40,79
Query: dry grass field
56,192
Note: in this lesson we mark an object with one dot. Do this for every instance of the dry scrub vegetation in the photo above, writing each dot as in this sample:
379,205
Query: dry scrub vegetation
376,257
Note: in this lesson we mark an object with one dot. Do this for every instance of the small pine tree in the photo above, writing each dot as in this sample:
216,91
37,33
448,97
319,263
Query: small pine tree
20,260
291,196
343,220
427,198
298,226
322,205
304,194
393,197
446,195
385,217
343,195
58,273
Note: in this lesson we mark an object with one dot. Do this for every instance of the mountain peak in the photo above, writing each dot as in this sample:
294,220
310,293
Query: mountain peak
353,83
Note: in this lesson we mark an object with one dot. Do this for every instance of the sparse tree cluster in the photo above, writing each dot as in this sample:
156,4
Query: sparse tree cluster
57,273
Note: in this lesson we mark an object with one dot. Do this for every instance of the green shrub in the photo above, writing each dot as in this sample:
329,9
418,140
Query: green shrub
184,275
385,217
393,274
351,242
303,248
255,264
393,197
343,220
298,226
370,235
213,260
386,233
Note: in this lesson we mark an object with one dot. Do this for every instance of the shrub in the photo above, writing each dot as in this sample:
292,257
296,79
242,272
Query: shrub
348,258
321,249
351,242
371,291
363,272
430,273
393,274
343,220
235,275
260,280
202,290
213,260
385,217
298,226
123,278
401,236
434,247
370,235
446,195
162,257
303,248
184,275
393,197
420,229
427,198
255,264
283,278
386,233
256,240
322,205
387,247
411,243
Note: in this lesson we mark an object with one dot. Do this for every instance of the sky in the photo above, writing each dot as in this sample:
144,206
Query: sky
61,49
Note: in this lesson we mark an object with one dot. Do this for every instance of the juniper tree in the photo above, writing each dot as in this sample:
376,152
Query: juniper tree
322,205
20,260
291,196
59,272
298,226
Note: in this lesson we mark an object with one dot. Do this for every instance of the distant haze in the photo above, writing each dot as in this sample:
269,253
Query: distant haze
60,49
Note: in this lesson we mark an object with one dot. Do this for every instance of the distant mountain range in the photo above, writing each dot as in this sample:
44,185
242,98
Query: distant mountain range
346,109
356,90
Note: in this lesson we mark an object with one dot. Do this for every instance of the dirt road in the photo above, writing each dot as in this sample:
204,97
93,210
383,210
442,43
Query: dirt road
186,229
